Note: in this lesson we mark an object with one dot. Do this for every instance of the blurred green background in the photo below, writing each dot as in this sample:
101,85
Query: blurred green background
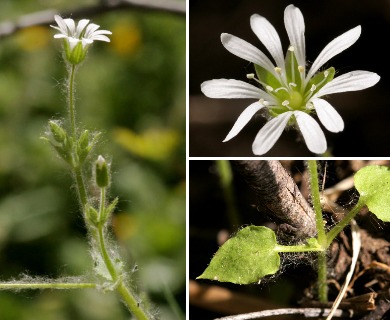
133,90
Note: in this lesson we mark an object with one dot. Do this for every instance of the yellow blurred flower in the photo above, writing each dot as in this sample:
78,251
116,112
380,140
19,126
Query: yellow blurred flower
33,38
126,38
152,144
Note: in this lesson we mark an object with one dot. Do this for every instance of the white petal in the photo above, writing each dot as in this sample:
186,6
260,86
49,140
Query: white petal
61,24
269,37
73,42
60,35
246,51
92,27
231,89
336,46
243,119
270,133
328,115
312,132
71,26
295,27
351,81
81,26
99,37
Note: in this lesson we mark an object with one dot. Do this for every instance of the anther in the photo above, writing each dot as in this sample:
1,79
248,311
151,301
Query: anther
313,87
285,103
269,88
301,69
291,48
292,84
278,70
326,73
261,101
250,76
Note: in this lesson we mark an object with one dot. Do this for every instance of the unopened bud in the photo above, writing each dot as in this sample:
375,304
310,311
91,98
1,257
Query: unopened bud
101,172
58,133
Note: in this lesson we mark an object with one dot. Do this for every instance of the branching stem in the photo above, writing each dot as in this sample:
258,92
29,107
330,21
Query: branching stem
99,236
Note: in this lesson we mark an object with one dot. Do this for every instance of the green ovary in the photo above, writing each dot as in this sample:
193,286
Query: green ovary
296,100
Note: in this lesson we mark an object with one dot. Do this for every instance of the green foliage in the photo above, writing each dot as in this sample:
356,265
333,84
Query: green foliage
245,258
137,82
373,184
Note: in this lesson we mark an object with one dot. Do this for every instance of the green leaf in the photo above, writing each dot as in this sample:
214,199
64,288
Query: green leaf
245,258
373,184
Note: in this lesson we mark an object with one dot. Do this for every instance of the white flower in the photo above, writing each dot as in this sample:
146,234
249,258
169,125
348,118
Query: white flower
78,38
287,90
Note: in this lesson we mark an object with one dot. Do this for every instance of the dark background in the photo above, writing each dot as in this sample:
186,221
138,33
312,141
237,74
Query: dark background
365,112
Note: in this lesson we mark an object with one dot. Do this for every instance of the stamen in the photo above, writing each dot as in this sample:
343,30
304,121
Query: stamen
286,103
313,88
291,48
250,76
269,88
281,88
326,73
292,84
261,101
278,70
301,69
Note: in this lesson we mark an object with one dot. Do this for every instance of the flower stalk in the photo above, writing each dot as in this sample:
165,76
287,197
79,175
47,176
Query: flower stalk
75,148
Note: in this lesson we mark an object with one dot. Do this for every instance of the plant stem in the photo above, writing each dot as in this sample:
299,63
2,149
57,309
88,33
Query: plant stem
72,116
121,287
226,177
321,236
20,286
322,277
99,236
315,195
345,221
78,176
297,248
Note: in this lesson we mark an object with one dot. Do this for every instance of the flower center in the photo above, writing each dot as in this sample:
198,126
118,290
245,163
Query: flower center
295,100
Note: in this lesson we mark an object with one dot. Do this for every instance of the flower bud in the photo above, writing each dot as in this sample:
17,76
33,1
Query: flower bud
101,172
58,133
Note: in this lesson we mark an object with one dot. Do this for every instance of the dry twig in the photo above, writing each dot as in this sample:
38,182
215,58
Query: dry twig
46,17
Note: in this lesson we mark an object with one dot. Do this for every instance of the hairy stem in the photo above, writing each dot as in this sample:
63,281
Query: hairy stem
315,195
72,116
321,236
27,285
322,277
297,248
226,178
99,236
345,221
121,288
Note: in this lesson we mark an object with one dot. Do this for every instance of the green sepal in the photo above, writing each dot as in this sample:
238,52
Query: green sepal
57,131
245,258
76,55
83,146
267,77
109,210
92,215
319,79
373,184
292,73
